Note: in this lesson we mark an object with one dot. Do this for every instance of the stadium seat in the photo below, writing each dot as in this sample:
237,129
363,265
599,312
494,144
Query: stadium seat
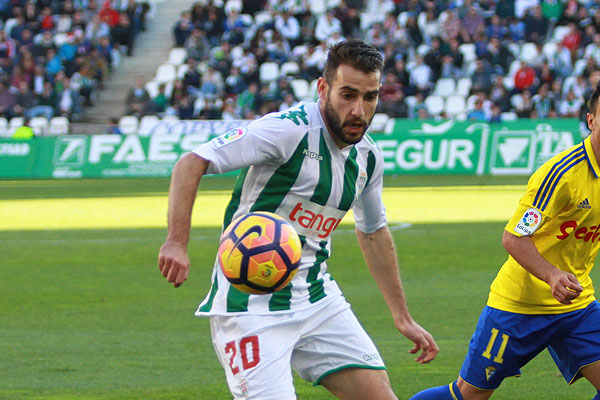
434,104
3,127
317,7
549,50
247,19
463,86
312,91
455,105
529,53
378,122
181,70
444,87
568,84
170,118
58,125
508,83
559,33
9,24
128,124
262,17
514,67
516,101
14,123
301,88
199,104
166,73
177,56
299,51
39,125
423,49
237,52
468,51
514,49
410,101
579,66
289,68
147,123
268,71
508,116
152,87
402,17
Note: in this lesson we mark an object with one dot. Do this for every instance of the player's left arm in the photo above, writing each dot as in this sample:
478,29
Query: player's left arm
379,252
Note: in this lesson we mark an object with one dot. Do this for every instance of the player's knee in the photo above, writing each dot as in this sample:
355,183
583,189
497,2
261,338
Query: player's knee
446,392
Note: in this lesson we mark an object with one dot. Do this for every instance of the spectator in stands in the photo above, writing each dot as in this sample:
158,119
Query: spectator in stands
482,76
234,28
496,114
391,97
326,25
376,36
414,35
496,28
95,29
433,58
212,83
185,107
122,34
247,101
499,95
183,28
516,29
228,112
192,77
450,28
417,106
525,78
197,45
7,101
395,33
109,14
542,102
430,27
349,16
569,107
288,27
138,99
24,99
45,103
477,113
235,83
499,56
472,24
536,25
421,76
113,127
160,102
84,82
524,106
44,43
69,104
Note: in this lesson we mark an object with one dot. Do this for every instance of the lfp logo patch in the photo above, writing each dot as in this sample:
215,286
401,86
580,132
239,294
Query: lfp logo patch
529,222
229,137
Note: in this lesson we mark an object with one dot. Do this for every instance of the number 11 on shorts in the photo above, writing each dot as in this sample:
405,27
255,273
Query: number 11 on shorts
488,350
247,346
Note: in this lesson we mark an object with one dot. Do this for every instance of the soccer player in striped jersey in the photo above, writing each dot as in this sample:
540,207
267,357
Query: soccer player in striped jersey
309,164
543,296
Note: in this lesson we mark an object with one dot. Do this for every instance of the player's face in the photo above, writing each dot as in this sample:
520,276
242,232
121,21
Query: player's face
348,104
593,121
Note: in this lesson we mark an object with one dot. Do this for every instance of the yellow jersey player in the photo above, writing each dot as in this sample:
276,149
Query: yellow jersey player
543,295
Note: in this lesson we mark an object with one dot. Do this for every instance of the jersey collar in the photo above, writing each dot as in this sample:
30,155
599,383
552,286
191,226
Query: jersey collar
591,157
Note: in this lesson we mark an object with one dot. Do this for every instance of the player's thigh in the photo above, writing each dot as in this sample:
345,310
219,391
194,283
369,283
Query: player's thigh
502,343
333,341
359,384
578,348
592,374
255,353
470,392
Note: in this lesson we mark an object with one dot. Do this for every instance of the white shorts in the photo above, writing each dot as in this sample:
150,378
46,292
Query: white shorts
258,352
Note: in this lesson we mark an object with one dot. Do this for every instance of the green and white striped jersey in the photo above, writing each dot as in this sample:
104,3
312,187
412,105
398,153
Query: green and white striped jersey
291,166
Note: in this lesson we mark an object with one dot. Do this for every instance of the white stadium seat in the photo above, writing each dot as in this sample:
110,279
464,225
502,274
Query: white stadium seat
128,124
14,123
58,125
3,127
289,68
468,51
301,88
166,73
39,125
529,53
177,56
434,104
268,71
463,86
455,105
147,123
444,87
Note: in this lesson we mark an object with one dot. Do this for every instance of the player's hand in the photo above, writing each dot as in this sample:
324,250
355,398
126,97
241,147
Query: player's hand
174,263
422,340
565,286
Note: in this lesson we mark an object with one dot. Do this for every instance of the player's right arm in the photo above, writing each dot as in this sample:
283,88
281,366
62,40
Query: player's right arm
173,260
564,285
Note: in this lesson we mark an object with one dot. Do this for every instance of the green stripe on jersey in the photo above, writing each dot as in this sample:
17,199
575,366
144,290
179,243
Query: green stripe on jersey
281,300
323,188
211,297
315,289
236,301
350,175
281,181
236,195
370,166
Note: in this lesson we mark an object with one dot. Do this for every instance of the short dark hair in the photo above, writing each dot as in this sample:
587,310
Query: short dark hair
593,102
356,53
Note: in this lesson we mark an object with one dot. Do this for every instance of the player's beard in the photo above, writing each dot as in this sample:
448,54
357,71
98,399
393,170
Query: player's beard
336,126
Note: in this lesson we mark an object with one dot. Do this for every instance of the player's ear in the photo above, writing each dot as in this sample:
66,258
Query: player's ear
322,88
590,121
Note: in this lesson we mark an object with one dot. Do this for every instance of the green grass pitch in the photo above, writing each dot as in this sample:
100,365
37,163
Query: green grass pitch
85,313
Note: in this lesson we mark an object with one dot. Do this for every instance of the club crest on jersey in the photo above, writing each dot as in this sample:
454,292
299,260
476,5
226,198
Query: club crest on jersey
229,137
529,222
361,181
489,372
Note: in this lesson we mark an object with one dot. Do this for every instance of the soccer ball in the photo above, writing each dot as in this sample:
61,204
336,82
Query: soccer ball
259,253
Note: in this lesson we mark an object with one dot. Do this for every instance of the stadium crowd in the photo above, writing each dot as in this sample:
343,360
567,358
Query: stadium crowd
56,54
486,60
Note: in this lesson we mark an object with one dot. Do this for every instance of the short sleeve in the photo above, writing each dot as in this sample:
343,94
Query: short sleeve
369,210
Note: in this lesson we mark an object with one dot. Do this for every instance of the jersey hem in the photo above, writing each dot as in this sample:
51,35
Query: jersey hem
501,303
489,389
331,371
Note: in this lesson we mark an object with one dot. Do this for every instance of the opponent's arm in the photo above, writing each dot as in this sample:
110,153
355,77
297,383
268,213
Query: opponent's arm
564,285
380,255
173,260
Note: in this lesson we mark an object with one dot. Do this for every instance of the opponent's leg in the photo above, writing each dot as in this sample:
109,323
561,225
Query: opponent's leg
359,383
446,392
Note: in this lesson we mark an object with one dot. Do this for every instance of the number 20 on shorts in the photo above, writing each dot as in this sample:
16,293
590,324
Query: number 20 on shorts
248,346
488,350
